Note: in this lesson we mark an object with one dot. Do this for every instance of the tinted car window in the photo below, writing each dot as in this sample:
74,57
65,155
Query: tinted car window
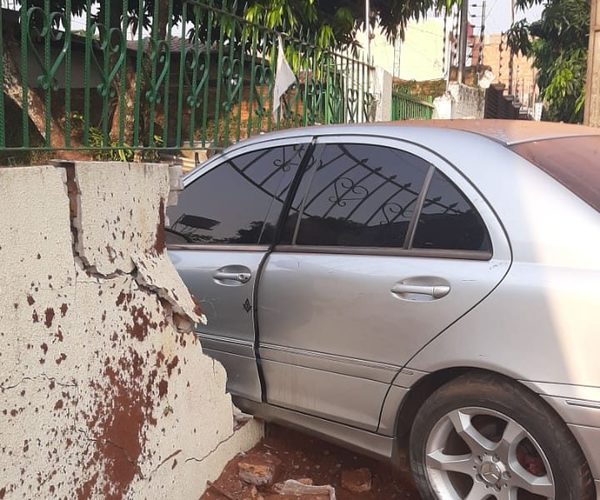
237,202
361,195
572,161
448,220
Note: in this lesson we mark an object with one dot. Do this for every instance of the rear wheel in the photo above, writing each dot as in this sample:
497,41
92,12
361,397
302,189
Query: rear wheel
485,437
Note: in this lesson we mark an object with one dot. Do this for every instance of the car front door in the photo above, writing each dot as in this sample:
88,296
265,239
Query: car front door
220,231
380,253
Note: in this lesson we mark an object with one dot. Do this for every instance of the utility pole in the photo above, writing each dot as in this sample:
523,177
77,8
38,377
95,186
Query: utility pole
592,90
512,54
368,28
462,40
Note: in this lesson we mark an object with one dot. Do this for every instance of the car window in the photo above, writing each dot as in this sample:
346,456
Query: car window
448,221
360,195
238,201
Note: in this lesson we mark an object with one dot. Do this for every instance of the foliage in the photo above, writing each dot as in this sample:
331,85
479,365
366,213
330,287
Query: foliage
114,153
424,90
558,44
334,22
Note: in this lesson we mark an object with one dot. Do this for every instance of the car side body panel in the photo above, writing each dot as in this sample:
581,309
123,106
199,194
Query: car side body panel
538,324
541,322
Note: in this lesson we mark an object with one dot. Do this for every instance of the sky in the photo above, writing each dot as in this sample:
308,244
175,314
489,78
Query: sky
498,15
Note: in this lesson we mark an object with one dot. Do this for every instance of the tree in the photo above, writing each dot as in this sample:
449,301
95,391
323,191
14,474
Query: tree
558,44
334,23
12,86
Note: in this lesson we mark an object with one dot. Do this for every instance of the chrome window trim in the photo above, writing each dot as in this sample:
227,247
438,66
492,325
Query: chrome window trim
386,252
217,247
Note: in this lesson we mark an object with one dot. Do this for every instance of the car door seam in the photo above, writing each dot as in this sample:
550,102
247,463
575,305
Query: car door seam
278,230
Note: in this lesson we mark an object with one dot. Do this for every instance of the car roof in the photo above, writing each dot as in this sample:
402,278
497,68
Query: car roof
506,132
509,132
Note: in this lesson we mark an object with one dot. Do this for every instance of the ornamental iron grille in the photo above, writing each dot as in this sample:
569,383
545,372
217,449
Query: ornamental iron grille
407,107
80,76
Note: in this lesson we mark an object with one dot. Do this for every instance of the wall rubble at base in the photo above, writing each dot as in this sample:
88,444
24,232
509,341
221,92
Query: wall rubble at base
104,390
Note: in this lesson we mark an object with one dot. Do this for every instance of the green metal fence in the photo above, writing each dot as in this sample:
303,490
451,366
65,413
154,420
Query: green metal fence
165,75
407,107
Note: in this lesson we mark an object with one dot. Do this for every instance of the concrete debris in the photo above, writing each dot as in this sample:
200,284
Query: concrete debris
258,470
301,488
357,481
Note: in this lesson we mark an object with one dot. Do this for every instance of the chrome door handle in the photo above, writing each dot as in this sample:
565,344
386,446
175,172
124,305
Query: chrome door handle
435,291
241,277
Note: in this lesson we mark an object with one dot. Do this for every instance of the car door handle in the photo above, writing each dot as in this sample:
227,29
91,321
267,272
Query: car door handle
435,291
229,276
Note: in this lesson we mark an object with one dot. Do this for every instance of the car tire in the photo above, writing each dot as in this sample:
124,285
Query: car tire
483,436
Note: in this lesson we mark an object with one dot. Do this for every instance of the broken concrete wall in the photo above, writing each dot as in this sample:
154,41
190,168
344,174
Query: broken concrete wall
460,102
104,390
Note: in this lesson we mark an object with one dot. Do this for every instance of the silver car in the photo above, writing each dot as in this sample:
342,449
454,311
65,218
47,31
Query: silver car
429,291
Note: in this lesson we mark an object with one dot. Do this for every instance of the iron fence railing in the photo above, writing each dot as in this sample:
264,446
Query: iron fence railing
115,79
407,107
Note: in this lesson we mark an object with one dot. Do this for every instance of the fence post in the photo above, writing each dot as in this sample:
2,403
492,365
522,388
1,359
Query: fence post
383,94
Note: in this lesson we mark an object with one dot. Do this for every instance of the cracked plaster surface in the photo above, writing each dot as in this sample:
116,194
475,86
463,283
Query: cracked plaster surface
104,392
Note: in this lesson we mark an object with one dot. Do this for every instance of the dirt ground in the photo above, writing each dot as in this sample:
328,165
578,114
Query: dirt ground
293,455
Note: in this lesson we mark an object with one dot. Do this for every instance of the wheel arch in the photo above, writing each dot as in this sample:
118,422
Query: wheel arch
419,392
423,388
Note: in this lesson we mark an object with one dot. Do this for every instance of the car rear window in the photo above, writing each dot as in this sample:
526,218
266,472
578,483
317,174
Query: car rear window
572,161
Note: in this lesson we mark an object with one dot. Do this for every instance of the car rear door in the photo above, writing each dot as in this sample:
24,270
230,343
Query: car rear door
223,226
380,253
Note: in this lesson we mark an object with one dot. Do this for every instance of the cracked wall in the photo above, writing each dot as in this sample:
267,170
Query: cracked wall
104,392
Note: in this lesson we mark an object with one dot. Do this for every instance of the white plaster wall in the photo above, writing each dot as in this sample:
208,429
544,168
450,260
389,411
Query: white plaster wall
418,57
467,102
383,93
104,392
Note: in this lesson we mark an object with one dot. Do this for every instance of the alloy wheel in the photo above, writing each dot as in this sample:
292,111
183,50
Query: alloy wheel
479,454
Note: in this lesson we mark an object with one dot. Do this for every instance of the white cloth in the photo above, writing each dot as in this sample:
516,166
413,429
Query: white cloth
284,78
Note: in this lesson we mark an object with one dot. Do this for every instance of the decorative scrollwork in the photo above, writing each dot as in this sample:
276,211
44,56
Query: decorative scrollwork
390,211
345,190
334,102
369,107
112,42
262,77
352,105
316,92
194,59
232,81
160,57
41,27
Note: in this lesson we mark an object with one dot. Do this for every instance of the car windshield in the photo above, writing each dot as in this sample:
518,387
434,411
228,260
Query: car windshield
572,161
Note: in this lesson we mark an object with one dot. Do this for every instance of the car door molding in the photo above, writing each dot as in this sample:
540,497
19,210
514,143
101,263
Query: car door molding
342,365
